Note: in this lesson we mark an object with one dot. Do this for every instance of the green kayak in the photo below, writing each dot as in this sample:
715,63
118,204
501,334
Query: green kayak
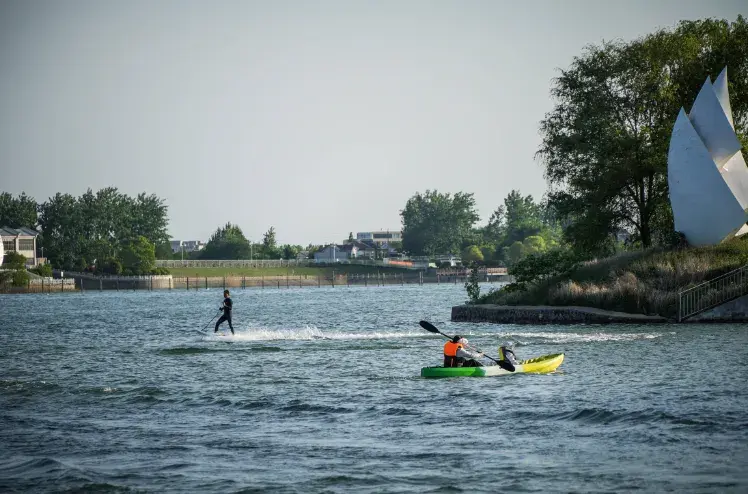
538,365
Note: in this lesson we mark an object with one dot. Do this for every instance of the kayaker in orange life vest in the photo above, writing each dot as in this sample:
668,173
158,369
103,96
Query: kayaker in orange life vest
455,354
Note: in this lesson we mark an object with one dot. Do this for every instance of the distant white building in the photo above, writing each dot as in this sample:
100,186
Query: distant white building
21,240
193,245
335,253
349,250
381,236
186,245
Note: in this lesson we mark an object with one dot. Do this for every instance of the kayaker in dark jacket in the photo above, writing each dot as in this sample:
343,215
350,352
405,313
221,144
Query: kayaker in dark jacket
226,308
505,353
455,354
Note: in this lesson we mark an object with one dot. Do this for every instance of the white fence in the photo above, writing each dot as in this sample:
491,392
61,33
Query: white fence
40,285
282,263
92,276
246,263
51,282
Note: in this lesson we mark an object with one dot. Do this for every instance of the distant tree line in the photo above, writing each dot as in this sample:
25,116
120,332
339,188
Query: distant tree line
109,232
437,223
106,232
229,243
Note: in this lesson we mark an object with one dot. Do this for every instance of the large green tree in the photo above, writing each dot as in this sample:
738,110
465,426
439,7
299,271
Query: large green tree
148,218
63,230
472,254
605,143
228,242
436,223
291,251
17,212
523,217
163,251
93,228
495,231
138,256
517,219
270,249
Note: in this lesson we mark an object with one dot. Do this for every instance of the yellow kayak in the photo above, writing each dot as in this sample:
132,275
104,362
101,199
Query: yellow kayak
537,365
541,365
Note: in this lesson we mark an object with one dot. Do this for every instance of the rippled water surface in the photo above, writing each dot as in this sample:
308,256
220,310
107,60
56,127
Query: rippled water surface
319,391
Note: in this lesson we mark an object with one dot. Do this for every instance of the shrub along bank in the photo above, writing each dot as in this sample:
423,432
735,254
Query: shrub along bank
13,270
643,282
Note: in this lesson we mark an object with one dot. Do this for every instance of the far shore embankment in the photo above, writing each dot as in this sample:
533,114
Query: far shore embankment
322,278
527,314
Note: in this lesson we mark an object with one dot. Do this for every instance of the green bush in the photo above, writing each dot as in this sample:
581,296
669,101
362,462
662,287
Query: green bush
160,271
20,277
472,254
14,260
138,256
44,270
110,266
81,265
538,267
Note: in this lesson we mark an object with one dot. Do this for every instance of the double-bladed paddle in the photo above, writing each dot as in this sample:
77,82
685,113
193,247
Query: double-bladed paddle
433,329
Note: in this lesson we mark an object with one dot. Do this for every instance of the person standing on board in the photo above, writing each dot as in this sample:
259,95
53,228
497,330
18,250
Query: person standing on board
226,308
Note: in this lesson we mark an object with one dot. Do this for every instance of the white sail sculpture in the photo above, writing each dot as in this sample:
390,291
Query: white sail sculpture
707,174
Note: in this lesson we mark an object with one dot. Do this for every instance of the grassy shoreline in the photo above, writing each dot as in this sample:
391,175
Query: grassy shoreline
641,282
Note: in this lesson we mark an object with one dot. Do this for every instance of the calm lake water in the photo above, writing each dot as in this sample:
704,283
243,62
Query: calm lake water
319,391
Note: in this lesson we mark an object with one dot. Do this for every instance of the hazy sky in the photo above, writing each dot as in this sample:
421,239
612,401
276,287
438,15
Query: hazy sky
318,118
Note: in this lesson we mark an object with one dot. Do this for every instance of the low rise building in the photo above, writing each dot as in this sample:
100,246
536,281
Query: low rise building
376,250
186,245
335,253
381,236
363,249
21,240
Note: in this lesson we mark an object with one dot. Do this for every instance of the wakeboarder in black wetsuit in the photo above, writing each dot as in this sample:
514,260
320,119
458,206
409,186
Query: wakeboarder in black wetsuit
226,308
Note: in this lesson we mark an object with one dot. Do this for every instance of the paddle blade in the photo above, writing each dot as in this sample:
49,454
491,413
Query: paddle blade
429,327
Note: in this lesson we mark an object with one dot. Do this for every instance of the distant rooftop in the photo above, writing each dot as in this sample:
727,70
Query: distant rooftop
14,232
